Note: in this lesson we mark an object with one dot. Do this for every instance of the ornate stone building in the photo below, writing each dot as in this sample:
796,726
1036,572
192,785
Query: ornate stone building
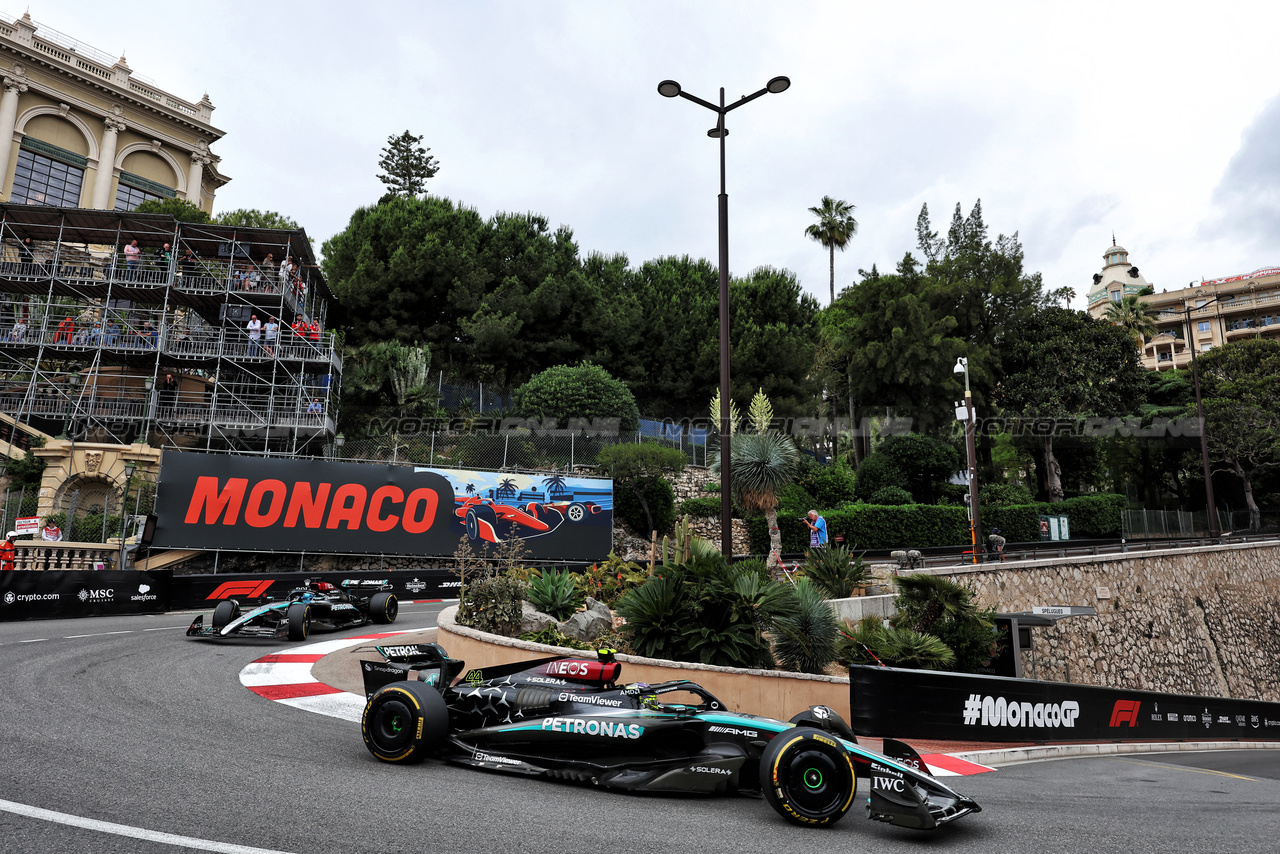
1225,309
79,129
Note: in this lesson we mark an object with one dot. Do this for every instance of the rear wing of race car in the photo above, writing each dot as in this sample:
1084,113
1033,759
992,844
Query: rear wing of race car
422,662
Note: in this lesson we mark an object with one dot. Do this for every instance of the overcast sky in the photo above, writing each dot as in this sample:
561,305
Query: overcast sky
1068,120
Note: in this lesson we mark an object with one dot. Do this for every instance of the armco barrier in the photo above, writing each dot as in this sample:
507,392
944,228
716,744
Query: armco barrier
205,591
887,701
32,595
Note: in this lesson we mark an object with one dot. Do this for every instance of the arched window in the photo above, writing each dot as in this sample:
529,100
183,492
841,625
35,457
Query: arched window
47,175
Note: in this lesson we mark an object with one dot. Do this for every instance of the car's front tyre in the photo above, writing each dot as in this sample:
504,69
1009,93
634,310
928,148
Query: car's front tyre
807,777
404,722
226,611
299,619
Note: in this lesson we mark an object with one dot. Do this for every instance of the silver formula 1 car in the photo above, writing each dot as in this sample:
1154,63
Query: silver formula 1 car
568,718
315,606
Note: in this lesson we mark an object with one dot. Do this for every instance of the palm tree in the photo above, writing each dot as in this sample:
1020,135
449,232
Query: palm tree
761,464
834,228
1131,313
555,485
507,487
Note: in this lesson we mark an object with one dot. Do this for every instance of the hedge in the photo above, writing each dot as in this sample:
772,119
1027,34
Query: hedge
871,526
700,507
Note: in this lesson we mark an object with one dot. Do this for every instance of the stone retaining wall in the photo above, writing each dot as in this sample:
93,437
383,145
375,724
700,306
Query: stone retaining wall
1204,621
771,693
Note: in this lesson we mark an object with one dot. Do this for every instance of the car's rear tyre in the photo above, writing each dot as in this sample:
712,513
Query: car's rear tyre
226,611
384,607
299,619
404,722
807,777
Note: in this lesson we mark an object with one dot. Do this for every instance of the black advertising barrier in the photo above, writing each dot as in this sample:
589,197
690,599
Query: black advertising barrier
212,501
887,701
195,592
55,594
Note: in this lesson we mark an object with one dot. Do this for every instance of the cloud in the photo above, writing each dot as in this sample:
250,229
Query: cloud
1247,197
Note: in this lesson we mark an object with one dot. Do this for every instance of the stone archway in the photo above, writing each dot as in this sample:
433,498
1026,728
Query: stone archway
90,506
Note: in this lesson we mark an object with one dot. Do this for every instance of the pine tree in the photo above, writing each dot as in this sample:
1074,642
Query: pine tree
406,165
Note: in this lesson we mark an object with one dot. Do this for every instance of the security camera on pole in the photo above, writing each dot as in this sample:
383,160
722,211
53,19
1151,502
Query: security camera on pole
965,413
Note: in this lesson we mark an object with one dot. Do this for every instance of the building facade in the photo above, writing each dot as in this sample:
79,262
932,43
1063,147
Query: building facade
1205,315
81,130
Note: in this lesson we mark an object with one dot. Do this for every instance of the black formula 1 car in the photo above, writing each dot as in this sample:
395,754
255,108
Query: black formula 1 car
568,718
313,606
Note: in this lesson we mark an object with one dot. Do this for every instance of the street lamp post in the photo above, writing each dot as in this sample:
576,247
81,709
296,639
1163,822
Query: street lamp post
129,469
970,428
1211,510
671,89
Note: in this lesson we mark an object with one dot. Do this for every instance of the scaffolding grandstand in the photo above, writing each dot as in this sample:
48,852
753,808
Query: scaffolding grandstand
101,343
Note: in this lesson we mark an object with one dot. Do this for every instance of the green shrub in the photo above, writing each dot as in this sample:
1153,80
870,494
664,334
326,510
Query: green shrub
829,486
891,496
706,611
551,636
607,581
1017,523
835,571
1004,493
870,642
554,592
661,499
922,460
700,507
1089,517
492,604
577,391
932,604
952,493
876,472
805,641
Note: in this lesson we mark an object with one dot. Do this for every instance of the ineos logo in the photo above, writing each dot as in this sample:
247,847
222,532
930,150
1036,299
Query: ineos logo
569,668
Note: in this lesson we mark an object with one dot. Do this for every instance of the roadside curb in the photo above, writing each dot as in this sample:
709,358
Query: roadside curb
1047,752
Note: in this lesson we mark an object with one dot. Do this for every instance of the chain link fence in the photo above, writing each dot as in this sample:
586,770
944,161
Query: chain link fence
517,448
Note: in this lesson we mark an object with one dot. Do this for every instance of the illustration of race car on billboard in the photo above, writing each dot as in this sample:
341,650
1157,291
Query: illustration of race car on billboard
568,718
495,519
315,606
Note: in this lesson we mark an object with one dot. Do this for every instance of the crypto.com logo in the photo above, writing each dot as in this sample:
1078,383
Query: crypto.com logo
249,589
1125,710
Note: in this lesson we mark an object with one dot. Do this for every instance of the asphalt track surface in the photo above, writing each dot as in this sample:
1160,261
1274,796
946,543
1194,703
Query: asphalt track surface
115,731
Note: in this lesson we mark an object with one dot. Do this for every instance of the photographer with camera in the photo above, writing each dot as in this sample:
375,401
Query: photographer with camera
817,530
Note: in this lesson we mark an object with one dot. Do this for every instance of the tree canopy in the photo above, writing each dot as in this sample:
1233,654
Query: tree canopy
254,218
180,209
406,166
834,229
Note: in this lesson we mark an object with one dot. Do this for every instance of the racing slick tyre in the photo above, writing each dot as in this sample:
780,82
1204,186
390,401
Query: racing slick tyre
807,777
384,607
576,512
404,722
299,619
482,524
226,611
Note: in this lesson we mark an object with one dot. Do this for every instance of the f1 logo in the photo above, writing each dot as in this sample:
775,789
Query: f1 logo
248,589
1125,710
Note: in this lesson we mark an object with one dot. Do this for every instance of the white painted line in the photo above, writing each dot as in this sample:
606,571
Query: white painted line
164,628
34,640
132,832
278,673
99,634
345,706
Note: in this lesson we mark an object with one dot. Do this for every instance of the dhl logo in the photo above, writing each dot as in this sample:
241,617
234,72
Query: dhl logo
248,589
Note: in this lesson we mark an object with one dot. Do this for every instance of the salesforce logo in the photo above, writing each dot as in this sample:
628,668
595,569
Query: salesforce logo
144,594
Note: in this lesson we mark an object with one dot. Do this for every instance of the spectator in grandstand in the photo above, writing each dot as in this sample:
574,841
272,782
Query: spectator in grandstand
25,255
314,407
286,272
95,335
169,392
163,256
189,262
254,328
19,332
113,334
313,332
132,254
66,330
269,334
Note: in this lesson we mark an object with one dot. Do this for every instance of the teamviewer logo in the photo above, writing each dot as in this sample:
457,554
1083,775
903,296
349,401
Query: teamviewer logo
972,709
1125,710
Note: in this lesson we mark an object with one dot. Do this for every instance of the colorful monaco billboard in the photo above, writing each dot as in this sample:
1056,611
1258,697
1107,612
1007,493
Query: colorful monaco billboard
210,501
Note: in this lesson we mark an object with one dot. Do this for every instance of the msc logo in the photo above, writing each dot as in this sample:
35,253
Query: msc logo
249,589
1125,710
101,595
